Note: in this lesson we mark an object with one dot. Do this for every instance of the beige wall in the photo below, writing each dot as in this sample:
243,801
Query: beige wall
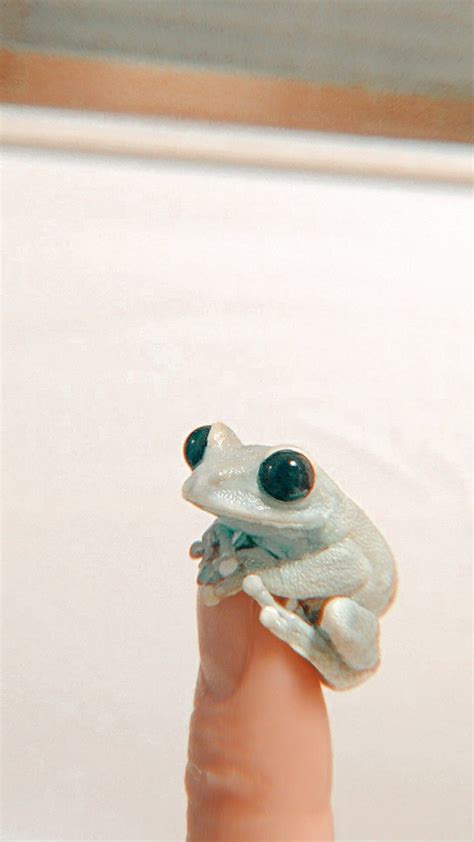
143,300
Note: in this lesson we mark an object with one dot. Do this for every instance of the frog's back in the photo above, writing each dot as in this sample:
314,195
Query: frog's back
378,592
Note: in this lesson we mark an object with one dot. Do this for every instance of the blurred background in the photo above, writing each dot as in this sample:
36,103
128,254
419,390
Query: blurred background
258,213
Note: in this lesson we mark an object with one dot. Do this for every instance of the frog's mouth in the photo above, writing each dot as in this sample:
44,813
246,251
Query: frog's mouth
236,518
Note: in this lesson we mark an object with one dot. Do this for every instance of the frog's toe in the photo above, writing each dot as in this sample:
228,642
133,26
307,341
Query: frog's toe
288,627
209,575
196,549
254,587
230,583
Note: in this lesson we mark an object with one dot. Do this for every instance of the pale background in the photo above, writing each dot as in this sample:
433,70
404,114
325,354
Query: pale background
142,300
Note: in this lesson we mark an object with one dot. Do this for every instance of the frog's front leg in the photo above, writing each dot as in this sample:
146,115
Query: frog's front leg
343,648
216,541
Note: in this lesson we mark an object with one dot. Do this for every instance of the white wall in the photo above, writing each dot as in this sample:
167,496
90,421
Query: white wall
143,300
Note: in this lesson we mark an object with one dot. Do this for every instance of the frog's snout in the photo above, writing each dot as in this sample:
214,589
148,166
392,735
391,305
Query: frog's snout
199,486
187,489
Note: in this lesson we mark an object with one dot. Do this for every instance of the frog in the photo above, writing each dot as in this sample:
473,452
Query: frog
287,536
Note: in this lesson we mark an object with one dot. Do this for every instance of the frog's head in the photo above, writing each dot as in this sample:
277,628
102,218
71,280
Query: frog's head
277,487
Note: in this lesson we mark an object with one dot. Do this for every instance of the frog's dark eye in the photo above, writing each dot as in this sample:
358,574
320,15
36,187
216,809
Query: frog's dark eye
286,475
195,445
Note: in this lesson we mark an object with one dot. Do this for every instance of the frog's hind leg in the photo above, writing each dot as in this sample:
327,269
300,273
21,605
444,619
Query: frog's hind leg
352,630
308,641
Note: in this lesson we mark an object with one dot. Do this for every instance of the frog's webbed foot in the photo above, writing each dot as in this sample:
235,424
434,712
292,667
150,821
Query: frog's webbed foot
334,648
224,576
216,553
220,570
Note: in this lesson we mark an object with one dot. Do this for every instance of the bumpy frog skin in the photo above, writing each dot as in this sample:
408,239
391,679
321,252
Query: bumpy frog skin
320,553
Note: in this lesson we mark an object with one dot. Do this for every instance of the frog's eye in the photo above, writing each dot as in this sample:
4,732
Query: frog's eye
286,475
195,445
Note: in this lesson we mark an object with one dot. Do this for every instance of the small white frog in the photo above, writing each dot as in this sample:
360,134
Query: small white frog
285,528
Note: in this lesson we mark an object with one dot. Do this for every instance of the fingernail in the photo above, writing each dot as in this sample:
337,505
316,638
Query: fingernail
225,639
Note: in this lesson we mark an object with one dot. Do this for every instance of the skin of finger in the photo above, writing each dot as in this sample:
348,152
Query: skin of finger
259,752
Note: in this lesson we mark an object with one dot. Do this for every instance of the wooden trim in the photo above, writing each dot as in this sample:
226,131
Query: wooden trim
280,150
127,88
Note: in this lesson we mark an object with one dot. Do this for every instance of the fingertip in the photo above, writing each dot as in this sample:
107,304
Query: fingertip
259,734
225,638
